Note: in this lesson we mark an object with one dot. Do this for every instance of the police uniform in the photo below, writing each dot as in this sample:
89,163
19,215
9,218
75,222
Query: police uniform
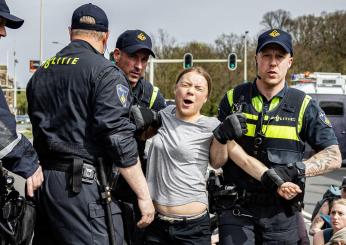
16,152
277,130
79,107
147,96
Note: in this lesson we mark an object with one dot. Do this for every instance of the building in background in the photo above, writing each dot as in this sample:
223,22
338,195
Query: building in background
6,84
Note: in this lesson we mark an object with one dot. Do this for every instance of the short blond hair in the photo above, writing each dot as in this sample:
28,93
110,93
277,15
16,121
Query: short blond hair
91,33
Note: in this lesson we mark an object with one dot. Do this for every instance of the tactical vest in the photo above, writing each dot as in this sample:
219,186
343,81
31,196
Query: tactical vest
273,135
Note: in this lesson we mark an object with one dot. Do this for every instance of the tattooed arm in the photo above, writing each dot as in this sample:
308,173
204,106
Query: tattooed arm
324,161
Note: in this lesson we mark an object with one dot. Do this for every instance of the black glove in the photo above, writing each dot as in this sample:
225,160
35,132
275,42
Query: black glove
233,127
291,172
144,117
271,180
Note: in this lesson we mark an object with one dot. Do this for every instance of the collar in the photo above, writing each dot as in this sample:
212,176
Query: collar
256,92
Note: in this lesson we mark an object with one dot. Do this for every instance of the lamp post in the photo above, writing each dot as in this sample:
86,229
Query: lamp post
41,31
15,61
245,56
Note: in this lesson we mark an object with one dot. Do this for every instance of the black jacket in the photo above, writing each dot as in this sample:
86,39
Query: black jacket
79,108
16,152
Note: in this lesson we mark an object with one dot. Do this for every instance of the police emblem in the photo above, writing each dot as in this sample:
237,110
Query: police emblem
122,92
274,33
141,36
325,119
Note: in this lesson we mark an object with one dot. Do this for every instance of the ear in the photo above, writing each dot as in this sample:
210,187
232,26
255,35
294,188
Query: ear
290,62
70,33
116,55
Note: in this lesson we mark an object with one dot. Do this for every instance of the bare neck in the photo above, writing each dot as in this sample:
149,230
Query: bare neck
98,45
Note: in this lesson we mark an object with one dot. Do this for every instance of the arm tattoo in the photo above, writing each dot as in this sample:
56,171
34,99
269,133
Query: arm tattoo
324,161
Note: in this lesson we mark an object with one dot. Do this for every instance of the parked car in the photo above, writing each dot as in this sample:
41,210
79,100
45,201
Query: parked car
22,119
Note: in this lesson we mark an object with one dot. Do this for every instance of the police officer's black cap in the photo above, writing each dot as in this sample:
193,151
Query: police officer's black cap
101,20
131,41
277,36
12,21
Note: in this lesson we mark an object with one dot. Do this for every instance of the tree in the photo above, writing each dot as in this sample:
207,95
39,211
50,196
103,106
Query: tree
22,104
280,19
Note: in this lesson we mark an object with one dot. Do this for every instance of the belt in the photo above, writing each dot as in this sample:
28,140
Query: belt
259,198
80,172
170,219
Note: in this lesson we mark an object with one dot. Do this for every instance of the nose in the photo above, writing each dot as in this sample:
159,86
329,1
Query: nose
139,64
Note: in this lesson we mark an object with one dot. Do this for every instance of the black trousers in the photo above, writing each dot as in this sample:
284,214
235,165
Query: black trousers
191,232
268,225
64,217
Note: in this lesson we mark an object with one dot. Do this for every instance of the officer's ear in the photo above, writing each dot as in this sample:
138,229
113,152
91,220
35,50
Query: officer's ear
290,62
116,55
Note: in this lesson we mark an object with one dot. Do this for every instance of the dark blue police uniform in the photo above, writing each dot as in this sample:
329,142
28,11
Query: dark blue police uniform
79,107
16,152
259,215
148,96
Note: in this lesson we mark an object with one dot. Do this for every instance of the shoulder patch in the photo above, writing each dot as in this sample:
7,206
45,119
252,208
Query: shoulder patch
323,117
122,92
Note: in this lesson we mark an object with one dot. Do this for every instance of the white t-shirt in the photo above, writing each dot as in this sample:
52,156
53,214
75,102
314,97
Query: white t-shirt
178,159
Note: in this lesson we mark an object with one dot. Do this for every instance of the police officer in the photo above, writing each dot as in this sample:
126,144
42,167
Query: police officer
279,121
131,55
16,152
79,107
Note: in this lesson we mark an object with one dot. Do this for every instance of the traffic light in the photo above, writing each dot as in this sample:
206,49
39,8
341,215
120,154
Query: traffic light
232,61
188,60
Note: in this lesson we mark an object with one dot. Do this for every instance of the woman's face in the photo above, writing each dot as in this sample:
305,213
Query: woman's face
338,216
191,92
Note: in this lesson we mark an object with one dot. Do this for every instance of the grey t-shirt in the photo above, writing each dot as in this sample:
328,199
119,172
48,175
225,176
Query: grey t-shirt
178,159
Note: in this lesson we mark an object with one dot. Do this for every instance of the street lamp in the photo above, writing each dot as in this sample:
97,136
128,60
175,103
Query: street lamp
245,56
41,31
15,61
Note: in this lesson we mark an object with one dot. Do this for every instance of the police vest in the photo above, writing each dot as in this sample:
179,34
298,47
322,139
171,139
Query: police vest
146,94
273,135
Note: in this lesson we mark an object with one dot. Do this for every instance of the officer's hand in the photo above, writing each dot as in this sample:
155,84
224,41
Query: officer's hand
271,180
289,190
148,212
34,182
144,117
233,127
291,172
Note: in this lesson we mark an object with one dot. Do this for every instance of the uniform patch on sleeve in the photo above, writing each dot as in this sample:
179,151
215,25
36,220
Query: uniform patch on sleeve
122,92
325,119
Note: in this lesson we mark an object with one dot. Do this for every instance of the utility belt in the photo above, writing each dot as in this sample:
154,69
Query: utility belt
257,198
226,197
79,171
180,219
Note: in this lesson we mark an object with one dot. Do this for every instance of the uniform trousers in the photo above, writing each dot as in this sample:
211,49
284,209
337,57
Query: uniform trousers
64,217
254,224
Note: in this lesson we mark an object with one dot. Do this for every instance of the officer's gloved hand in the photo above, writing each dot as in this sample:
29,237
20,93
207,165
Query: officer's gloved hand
271,180
233,127
144,117
291,172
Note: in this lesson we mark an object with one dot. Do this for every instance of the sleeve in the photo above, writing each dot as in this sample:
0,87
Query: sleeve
16,152
160,102
317,129
113,128
224,109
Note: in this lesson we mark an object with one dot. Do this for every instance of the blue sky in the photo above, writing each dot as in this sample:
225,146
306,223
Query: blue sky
185,20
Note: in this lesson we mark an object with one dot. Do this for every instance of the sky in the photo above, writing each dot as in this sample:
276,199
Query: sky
183,20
